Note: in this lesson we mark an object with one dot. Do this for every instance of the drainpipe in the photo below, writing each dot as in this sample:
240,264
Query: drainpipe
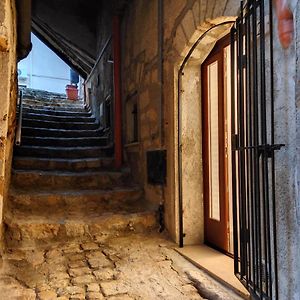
160,49
24,28
117,91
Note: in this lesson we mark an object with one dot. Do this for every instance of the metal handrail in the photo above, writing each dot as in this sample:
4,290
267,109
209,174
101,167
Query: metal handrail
99,58
19,128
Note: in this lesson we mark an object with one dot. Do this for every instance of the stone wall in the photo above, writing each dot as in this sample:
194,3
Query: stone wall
8,88
184,22
287,159
100,83
141,81
297,38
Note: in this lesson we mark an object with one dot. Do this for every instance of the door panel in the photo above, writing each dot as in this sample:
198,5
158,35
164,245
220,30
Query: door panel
215,192
213,140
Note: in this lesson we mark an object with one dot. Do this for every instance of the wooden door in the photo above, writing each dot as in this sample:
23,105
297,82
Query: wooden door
214,149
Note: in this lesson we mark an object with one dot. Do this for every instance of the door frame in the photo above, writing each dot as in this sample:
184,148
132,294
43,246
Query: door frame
216,233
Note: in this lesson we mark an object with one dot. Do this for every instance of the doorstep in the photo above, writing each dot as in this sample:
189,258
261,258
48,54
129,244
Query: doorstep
216,264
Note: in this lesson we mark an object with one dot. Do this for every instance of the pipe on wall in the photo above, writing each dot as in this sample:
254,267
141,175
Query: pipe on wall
117,91
160,50
23,28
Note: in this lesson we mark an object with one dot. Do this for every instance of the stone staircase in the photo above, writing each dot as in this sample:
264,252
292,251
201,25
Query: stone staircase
64,185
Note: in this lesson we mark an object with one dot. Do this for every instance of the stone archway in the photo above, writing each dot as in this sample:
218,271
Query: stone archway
190,118
195,22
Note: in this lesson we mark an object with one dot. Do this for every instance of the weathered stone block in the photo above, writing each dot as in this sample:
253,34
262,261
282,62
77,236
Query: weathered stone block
105,274
180,40
100,262
39,231
77,264
188,24
53,253
122,297
72,248
79,271
74,290
47,295
83,280
114,288
74,230
196,12
94,296
90,246
93,287
76,257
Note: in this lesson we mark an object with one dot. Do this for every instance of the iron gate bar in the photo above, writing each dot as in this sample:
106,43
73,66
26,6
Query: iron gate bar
253,147
257,275
251,241
234,142
265,187
241,165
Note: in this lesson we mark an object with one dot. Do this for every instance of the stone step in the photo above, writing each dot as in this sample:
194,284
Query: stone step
53,102
59,125
64,142
56,107
41,94
43,180
27,230
51,112
69,201
63,152
62,119
35,163
67,133
76,108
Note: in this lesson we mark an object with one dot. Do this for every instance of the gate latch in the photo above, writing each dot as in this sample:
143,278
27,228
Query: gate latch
271,148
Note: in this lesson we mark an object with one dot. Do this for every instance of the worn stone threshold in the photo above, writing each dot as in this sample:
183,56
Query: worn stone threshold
216,264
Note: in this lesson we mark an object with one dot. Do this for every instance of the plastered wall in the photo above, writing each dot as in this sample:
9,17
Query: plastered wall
8,86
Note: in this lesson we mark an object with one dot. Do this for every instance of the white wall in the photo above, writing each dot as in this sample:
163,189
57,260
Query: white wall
43,69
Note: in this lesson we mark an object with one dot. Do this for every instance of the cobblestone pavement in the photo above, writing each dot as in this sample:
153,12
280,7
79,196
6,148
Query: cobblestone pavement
129,267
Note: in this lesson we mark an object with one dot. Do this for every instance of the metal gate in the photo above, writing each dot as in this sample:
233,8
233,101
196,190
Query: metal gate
253,161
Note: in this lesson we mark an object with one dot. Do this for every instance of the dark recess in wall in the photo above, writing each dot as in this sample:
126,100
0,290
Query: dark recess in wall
156,167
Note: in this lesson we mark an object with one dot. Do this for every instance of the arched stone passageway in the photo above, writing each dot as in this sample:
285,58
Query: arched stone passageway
190,118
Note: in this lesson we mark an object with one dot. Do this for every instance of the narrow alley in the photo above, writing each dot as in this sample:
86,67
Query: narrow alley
68,239
149,149
77,228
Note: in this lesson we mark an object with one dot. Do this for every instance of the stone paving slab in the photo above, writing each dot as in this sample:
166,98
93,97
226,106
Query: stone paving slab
135,266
